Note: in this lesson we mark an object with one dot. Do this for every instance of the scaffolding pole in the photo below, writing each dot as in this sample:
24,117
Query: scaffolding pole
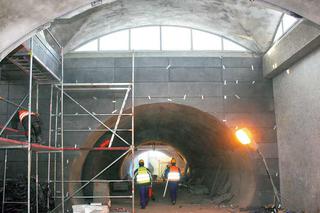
95,130
90,197
59,112
49,144
92,85
37,97
13,114
37,182
92,179
55,144
119,116
132,126
37,156
30,57
4,179
92,115
12,103
96,114
61,133
29,126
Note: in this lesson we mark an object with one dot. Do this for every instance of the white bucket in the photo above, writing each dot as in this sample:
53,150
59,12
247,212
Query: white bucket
90,209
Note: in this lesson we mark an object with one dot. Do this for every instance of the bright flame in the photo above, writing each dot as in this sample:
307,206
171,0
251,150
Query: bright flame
244,136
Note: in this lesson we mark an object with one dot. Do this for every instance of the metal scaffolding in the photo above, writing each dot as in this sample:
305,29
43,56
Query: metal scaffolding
55,148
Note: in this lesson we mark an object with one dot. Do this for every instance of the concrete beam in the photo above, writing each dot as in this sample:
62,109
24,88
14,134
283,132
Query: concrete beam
307,9
299,42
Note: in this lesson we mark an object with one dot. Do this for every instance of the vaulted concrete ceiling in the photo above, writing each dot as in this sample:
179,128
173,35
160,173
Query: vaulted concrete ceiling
250,24
20,19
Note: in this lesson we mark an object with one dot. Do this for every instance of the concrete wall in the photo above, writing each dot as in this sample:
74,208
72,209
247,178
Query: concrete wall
297,107
233,90
298,42
193,77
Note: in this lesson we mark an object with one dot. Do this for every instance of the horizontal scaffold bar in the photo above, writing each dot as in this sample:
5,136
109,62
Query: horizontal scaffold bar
97,114
122,148
94,130
94,181
95,84
96,88
8,129
6,143
88,197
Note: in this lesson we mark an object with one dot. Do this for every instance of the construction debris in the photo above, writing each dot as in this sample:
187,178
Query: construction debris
222,199
16,196
199,190
119,210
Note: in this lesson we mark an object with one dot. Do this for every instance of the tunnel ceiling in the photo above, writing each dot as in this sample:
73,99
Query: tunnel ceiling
242,21
252,25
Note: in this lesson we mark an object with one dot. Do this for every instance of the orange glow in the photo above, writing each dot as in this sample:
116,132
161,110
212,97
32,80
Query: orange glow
244,136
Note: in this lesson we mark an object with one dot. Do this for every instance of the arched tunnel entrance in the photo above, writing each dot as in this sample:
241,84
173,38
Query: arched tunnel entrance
215,158
157,157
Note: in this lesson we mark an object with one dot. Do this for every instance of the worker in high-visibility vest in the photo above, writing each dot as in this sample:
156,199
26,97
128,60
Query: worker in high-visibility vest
22,117
143,178
172,174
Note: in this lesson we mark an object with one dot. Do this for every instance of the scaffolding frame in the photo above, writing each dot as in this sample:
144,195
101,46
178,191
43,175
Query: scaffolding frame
28,145
58,92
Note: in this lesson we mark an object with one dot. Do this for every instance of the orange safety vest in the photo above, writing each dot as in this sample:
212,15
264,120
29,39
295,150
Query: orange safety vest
23,113
174,174
174,169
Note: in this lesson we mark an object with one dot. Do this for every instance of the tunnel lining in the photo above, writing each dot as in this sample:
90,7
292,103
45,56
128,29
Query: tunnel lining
153,122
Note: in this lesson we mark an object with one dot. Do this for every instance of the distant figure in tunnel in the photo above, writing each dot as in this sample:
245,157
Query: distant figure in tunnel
143,177
22,117
172,174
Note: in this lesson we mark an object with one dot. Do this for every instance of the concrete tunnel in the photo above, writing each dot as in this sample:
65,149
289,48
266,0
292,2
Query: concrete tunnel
201,70
207,144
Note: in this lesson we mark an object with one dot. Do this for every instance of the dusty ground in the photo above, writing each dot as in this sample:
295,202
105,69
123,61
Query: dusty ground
186,203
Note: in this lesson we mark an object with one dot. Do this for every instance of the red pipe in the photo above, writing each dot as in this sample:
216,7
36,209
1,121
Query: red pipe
50,148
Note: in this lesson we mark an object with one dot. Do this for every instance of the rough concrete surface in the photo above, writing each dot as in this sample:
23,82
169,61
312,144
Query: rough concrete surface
18,21
251,25
297,115
307,9
302,40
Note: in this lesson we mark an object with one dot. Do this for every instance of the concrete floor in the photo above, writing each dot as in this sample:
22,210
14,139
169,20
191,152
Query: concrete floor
186,203
185,208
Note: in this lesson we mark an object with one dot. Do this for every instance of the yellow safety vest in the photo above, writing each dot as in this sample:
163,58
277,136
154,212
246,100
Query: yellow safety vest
143,175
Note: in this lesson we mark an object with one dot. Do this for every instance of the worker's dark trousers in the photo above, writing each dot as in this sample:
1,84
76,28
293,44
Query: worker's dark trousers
173,188
143,191
35,127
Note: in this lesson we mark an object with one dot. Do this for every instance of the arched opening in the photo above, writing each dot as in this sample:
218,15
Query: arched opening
156,156
218,162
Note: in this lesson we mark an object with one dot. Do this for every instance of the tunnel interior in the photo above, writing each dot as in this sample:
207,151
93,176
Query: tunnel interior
215,158
157,156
